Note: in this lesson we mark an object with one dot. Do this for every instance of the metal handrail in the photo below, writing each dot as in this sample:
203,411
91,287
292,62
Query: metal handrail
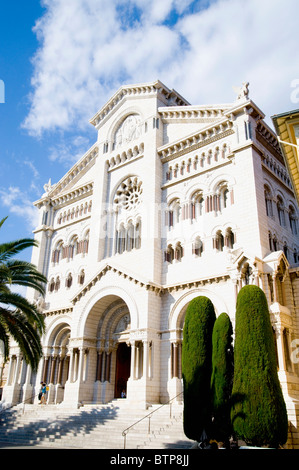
149,415
28,400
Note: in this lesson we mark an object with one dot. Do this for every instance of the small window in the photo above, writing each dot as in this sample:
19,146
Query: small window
81,277
197,247
69,281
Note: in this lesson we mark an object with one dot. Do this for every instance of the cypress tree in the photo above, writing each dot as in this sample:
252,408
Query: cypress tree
259,414
196,367
222,377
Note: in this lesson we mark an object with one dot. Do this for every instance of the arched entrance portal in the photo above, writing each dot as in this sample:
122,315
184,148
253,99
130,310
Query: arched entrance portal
122,372
55,369
108,327
176,326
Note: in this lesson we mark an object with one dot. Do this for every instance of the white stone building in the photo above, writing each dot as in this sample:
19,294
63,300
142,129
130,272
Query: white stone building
173,201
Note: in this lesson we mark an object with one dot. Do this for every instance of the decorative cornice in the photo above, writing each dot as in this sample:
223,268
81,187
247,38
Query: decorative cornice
59,311
201,114
73,195
56,190
170,97
205,136
158,289
85,289
269,139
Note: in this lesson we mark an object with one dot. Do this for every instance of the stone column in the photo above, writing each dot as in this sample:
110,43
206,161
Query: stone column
45,369
80,364
280,348
10,370
133,358
145,359
71,365
53,367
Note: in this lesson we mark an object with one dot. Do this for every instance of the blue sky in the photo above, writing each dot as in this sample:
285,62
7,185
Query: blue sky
61,60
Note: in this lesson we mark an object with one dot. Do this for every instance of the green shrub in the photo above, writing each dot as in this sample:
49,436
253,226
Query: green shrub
222,377
196,367
258,414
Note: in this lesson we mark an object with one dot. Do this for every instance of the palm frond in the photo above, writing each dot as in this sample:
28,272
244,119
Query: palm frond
28,309
4,338
9,249
3,220
20,318
25,274
25,335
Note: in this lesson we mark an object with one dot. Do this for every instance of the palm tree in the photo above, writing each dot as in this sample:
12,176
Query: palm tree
19,318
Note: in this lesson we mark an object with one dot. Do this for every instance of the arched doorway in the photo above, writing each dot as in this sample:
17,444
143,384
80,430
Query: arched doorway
176,326
122,370
56,360
108,327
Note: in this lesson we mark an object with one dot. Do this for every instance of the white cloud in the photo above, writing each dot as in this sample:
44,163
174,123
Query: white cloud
69,151
88,48
19,203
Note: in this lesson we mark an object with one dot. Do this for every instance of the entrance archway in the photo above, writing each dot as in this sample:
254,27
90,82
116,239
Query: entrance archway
55,369
122,370
108,327
176,326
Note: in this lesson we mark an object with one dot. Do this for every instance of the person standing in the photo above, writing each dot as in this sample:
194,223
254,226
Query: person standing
44,394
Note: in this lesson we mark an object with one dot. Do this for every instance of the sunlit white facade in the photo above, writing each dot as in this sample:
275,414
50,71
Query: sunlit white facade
173,201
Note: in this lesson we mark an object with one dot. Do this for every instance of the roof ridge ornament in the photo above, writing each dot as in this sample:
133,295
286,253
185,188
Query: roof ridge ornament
243,91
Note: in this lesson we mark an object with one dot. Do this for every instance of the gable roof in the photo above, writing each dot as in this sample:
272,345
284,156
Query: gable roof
169,97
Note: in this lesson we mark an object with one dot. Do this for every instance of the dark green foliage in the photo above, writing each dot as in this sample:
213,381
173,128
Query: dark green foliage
196,366
222,377
259,414
19,318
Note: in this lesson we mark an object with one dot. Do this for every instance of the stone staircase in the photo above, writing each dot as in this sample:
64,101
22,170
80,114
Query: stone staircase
93,427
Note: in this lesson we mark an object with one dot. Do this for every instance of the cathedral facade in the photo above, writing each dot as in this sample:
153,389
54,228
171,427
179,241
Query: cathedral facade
173,201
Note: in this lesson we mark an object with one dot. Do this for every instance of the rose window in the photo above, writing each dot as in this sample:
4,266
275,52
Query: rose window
128,195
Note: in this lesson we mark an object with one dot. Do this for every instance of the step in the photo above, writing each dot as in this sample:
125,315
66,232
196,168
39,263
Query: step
93,426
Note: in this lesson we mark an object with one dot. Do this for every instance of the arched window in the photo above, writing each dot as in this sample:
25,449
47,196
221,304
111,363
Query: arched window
130,237
73,247
86,243
174,212
169,254
57,253
51,285
127,200
57,283
285,250
280,210
69,281
120,239
138,235
219,241
268,202
81,277
178,252
229,238
197,247
222,196
292,219
197,205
